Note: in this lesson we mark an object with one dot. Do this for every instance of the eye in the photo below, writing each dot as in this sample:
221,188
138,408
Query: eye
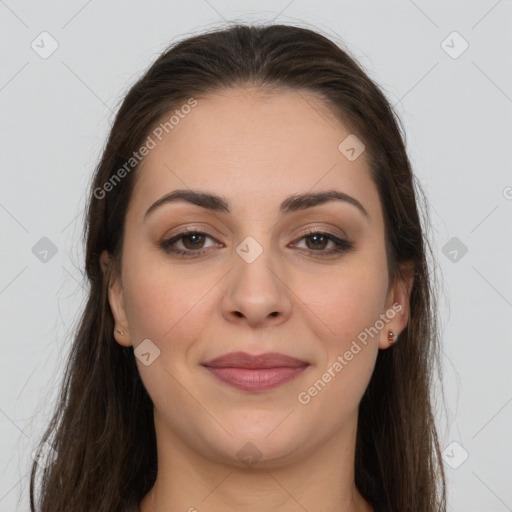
317,241
192,241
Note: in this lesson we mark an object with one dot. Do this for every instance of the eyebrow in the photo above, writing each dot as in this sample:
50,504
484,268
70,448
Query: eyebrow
291,204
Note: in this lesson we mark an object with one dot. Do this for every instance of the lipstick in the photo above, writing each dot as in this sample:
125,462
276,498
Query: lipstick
257,372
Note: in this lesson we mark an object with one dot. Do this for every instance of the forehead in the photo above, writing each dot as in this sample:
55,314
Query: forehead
250,145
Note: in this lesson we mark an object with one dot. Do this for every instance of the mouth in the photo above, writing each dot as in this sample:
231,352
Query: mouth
255,372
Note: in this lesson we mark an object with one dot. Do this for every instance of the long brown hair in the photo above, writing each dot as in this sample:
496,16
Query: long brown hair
102,429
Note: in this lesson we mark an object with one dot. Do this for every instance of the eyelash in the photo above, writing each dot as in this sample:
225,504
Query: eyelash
342,245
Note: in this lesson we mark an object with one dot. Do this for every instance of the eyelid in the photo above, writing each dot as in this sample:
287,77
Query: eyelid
310,230
322,229
192,229
172,239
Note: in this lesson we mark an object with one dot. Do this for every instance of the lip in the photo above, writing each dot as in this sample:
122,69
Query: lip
257,372
245,360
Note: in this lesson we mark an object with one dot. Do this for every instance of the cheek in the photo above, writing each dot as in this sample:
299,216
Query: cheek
170,308
158,306
346,301
165,303
345,309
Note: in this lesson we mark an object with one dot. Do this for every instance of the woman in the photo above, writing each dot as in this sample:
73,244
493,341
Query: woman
260,329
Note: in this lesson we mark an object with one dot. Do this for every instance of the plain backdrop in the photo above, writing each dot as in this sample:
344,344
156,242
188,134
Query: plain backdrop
446,68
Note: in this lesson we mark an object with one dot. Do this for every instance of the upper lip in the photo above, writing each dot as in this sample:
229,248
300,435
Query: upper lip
245,360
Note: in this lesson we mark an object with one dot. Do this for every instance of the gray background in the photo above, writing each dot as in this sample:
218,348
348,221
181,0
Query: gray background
456,108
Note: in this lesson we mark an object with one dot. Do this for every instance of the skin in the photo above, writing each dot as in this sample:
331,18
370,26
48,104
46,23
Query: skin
255,150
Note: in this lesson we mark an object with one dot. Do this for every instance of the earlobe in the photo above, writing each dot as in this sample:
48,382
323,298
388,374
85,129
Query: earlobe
104,261
116,300
392,337
397,306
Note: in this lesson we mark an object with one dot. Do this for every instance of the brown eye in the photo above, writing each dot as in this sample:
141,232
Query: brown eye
318,241
196,240
192,243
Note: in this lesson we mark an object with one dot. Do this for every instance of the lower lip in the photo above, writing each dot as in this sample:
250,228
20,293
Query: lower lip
259,379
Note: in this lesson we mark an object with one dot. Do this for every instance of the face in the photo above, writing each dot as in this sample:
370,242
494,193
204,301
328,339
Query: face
258,273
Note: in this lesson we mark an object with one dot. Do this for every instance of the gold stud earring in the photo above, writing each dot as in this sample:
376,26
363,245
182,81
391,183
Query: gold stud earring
120,332
391,337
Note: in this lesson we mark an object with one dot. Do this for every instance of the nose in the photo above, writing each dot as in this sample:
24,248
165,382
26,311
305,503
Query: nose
257,292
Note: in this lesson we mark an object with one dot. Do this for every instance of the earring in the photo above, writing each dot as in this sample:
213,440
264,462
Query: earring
120,332
391,337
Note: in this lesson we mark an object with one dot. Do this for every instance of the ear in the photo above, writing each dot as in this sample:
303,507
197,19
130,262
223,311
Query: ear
397,304
116,300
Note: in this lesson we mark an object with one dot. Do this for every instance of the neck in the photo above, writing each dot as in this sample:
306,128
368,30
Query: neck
322,481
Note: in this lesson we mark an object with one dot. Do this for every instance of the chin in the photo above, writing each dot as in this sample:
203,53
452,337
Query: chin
263,445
